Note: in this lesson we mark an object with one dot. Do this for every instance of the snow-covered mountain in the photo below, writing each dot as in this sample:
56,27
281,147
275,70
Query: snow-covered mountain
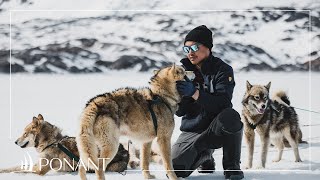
47,37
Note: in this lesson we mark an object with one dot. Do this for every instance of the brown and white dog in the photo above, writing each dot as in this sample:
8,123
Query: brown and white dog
126,112
45,137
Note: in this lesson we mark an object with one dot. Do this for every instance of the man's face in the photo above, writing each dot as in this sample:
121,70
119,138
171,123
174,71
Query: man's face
197,57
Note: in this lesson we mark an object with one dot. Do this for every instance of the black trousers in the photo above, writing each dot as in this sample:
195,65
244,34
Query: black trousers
192,149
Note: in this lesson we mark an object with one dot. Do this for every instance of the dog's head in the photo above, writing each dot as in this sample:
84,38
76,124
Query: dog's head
166,78
30,132
256,98
169,74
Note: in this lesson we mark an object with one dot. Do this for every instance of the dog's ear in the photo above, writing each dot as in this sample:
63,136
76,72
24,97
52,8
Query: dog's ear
173,66
155,71
268,86
40,117
35,122
245,98
249,86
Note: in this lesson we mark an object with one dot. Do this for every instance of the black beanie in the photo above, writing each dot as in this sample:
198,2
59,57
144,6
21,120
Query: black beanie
200,34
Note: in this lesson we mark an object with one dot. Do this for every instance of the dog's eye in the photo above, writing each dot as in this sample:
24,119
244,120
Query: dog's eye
257,97
265,98
25,134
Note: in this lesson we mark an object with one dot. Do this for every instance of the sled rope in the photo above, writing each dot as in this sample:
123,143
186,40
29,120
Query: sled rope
306,110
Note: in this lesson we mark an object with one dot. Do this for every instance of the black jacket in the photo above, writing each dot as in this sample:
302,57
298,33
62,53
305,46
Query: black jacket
215,82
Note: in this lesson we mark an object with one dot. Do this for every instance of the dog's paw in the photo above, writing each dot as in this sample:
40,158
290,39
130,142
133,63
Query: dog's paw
157,159
248,166
276,160
134,164
260,167
298,160
147,175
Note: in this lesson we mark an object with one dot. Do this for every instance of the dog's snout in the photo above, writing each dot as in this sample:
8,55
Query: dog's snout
263,106
16,142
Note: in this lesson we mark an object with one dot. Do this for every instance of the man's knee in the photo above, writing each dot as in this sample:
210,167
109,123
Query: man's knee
230,120
175,153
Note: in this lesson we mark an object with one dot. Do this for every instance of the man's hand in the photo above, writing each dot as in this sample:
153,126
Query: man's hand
185,88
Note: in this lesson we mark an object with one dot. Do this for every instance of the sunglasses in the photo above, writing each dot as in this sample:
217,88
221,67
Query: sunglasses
193,48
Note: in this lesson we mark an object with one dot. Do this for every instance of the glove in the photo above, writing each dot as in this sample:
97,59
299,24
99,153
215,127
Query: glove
185,88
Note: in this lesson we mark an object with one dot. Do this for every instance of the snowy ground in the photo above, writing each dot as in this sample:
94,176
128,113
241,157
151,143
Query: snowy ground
60,99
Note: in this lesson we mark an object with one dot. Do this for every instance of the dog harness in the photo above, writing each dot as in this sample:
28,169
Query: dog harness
64,149
69,153
156,100
254,126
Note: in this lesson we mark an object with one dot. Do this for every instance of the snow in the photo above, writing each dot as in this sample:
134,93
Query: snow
60,99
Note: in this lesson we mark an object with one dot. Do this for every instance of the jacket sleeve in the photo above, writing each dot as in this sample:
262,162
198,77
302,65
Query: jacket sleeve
184,106
222,96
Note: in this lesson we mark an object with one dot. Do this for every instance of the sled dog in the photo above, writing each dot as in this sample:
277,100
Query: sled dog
273,119
45,137
126,111
134,153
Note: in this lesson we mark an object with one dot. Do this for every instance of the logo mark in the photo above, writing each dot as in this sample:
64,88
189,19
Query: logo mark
27,165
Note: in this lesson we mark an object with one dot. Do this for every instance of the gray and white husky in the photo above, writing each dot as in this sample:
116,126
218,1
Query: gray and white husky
273,119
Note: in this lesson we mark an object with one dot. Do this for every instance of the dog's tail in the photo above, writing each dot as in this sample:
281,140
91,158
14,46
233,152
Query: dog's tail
300,138
88,149
282,98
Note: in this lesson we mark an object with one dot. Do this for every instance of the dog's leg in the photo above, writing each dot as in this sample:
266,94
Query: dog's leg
16,169
145,159
107,153
35,169
294,144
265,142
165,152
82,173
100,171
107,135
41,170
134,161
278,142
249,136
156,158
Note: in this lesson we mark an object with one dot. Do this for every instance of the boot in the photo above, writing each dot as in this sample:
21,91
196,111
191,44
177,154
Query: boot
205,162
231,155
204,159
208,166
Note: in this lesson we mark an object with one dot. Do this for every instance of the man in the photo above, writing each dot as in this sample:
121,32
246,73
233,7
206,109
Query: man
208,120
